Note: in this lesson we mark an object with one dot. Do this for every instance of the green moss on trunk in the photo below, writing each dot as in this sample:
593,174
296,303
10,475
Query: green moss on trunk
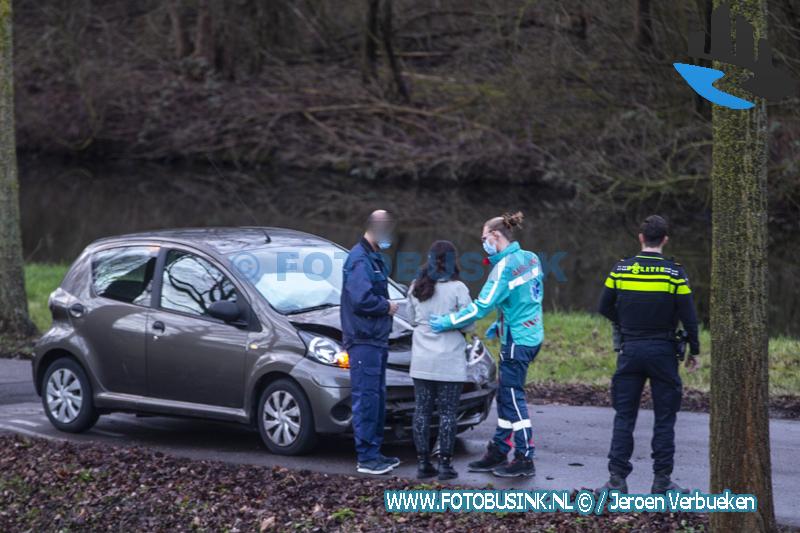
14,319
740,452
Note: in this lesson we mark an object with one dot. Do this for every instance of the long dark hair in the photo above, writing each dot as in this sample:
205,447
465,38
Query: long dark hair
442,264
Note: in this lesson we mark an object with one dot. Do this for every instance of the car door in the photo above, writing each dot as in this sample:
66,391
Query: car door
113,320
192,357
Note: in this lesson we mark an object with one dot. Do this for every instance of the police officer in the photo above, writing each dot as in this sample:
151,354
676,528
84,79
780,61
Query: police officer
366,314
514,288
644,297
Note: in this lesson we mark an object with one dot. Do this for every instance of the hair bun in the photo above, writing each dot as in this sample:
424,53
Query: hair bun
513,220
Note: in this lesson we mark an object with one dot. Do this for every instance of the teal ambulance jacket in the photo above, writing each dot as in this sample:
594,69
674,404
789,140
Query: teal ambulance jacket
515,288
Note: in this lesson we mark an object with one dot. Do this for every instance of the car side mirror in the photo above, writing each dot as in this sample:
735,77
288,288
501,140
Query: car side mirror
226,311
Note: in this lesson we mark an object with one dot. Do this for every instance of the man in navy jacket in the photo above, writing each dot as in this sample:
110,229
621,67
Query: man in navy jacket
366,314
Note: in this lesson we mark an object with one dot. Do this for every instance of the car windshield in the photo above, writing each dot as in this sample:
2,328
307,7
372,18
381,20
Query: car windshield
297,279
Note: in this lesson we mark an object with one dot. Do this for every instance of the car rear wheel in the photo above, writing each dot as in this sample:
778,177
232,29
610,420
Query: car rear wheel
285,419
67,397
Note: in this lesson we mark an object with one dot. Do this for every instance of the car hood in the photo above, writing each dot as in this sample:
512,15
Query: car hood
328,322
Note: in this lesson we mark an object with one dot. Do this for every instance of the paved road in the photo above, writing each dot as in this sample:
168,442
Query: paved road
16,383
571,444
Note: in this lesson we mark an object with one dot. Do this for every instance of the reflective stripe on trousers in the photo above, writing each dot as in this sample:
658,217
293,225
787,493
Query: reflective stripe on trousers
513,424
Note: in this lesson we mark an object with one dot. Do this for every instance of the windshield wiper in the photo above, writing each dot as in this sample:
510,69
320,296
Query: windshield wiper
312,308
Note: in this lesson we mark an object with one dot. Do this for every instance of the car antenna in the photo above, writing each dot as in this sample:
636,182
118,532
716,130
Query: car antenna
262,230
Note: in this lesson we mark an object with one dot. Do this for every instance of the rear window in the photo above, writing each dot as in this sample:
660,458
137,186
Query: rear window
125,274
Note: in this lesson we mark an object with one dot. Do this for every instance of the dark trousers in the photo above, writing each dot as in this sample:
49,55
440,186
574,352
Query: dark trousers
638,362
368,381
512,407
445,396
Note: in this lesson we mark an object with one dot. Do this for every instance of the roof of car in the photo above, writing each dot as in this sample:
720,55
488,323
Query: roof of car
225,240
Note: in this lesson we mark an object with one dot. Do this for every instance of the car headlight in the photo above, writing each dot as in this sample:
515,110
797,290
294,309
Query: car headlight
325,350
476,352
480,363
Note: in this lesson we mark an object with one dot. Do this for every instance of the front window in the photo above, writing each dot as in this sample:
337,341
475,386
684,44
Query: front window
190,284
297,279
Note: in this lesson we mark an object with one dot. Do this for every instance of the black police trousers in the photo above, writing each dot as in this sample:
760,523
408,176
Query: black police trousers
639,361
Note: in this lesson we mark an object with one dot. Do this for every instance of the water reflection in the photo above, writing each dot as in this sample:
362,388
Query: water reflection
66,206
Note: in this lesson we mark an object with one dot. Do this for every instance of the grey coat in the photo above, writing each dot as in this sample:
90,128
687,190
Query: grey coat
438,356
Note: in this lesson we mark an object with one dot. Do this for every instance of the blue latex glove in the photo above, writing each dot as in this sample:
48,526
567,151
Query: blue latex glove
438,323
492,330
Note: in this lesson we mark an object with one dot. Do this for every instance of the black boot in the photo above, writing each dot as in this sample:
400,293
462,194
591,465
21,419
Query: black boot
446,469
520,466
615,482
424,467
663,484
493,458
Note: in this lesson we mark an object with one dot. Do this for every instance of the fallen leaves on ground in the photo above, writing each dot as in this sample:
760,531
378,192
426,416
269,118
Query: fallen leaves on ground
54,486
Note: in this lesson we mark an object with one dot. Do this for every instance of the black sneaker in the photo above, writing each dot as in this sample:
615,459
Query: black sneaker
446,470
375,467
394,461
615,482
520,466
663,484
493,458
424,467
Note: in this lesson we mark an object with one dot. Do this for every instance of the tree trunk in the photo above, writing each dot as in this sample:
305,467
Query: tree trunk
644,25
14,321
204,35
740,448
706,7
179,36
394,66
580,23
370,68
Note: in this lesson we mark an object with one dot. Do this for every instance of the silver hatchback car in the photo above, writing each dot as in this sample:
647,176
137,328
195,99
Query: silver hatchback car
233,324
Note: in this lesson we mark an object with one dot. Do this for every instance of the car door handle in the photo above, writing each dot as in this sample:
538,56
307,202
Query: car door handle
158,326
77,310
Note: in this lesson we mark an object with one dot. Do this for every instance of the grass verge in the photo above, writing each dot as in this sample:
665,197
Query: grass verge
40,280
577,348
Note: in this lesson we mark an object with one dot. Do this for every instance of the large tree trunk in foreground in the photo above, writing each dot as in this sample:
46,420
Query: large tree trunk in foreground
14,319
740,449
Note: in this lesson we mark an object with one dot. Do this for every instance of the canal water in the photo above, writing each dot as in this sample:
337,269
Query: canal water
65,206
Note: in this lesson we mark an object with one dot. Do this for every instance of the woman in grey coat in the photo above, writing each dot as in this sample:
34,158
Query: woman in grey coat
438,361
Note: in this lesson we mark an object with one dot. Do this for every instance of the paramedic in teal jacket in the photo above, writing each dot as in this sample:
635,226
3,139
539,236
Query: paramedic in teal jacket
515,289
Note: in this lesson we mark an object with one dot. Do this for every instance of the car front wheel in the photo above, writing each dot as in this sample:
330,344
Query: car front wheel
285,419
67,397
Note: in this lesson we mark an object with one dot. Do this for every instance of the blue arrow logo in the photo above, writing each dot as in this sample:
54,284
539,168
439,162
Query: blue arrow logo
702,79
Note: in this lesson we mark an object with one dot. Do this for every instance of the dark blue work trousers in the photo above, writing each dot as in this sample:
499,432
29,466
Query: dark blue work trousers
368,380
639,361
513,422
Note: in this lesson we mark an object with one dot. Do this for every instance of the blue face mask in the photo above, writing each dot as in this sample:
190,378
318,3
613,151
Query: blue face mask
383,244
489,248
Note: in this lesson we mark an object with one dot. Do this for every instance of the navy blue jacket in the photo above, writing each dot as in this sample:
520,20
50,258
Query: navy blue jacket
365,298
647,295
